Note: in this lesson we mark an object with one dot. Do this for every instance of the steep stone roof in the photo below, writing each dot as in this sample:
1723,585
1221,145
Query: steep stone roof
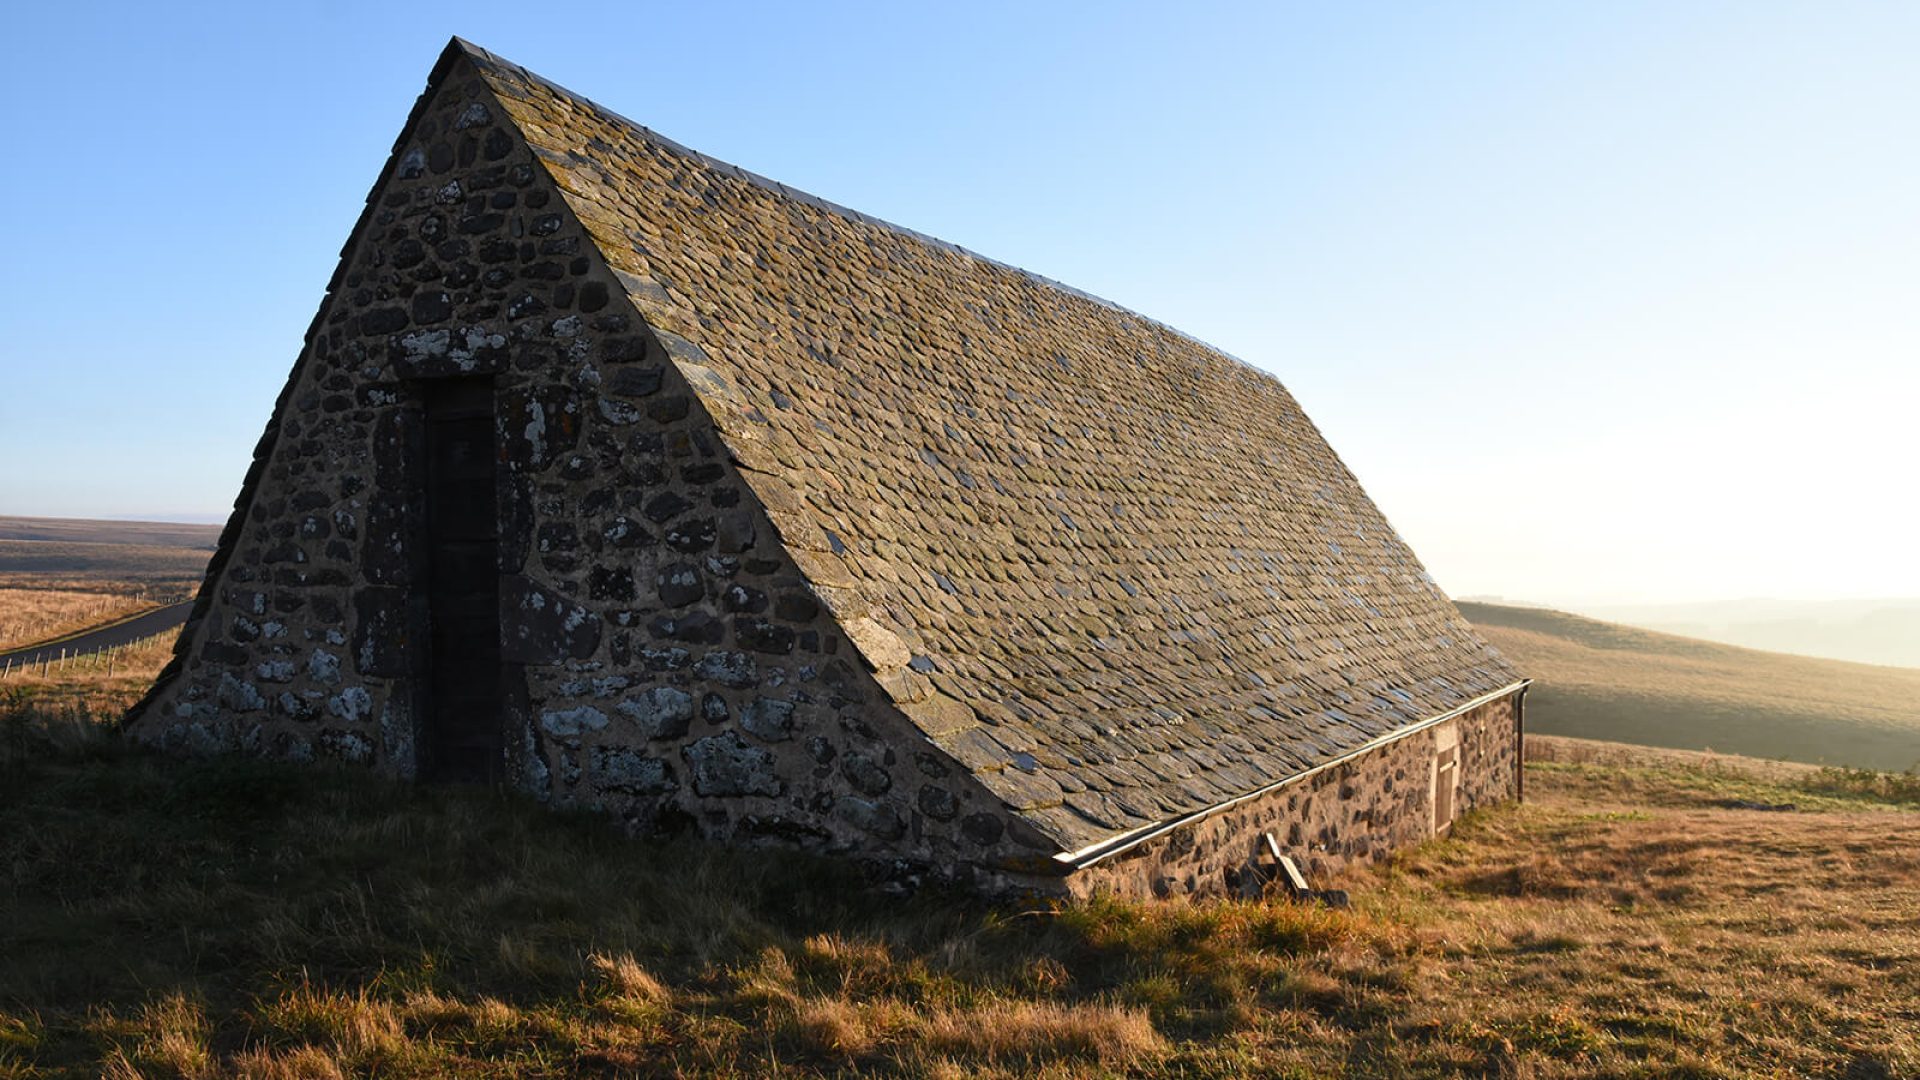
1114,571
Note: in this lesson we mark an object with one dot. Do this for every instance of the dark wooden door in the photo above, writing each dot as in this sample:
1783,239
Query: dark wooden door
463,582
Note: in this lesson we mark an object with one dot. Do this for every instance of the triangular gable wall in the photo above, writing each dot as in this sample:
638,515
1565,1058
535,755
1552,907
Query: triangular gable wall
667,658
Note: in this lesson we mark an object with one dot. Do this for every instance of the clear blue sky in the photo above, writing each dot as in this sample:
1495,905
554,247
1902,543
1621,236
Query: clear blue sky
1602,301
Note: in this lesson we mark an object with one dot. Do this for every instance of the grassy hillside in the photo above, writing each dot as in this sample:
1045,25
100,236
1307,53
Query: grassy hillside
242,919
1606,681
1875,631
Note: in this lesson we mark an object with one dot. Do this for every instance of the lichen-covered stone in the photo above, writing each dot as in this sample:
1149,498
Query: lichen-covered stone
866,776
352,704
570,723
768,719
540,625
728,669
723,765
660,713
872,817
323,667
632,772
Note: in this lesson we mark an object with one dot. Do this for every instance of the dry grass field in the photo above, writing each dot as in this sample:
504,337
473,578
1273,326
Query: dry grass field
28,616
158,574
1604,681
1633,919
156,562
77,694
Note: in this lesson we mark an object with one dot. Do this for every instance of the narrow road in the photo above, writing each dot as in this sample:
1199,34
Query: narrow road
106,637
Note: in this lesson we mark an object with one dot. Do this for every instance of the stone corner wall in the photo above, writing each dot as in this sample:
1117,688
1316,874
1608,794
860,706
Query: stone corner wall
1349,815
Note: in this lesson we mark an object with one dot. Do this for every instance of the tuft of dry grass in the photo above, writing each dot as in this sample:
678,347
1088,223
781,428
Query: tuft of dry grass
624,978
1029,1033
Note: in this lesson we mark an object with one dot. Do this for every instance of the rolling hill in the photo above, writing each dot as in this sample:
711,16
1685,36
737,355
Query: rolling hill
1602,680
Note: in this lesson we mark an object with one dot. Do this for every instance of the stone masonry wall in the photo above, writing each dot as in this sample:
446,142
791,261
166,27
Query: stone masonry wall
1348,815
667,663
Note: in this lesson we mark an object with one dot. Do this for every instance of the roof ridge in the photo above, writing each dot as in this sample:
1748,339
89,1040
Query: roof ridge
821,203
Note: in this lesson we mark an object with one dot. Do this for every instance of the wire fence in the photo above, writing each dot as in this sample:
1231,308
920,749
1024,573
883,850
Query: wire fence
105,661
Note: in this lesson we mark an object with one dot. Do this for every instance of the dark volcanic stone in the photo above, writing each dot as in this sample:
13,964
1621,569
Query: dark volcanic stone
680,584
728,669
384,556
796,607
982,829
380,633
768,719
385,320
725,765
540,625
694,534
867,777
762,636
633,381
610,583
697,627
938,803
665,507
741,598
432,306
873,817
540,424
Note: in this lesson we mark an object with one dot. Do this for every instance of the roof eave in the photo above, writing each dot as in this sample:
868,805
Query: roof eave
1115,845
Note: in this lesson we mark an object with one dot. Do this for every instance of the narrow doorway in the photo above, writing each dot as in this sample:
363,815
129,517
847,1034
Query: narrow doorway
463,723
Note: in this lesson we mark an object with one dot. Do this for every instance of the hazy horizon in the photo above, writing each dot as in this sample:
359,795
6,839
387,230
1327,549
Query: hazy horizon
1603,306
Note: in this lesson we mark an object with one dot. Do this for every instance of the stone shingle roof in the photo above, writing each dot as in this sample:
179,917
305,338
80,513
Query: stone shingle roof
1115,572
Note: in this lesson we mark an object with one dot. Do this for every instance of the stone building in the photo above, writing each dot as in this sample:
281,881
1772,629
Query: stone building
631,480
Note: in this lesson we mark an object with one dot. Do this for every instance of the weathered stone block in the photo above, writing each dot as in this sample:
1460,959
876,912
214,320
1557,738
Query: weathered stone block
540,625
768,719
660,713
632,772
724,765
382,644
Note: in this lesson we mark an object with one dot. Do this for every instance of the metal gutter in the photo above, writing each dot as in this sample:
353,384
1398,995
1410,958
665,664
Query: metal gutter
1520,744
1106,849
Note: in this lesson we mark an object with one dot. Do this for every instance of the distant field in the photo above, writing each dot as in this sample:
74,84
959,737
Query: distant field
154,534
1605,681
155,562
